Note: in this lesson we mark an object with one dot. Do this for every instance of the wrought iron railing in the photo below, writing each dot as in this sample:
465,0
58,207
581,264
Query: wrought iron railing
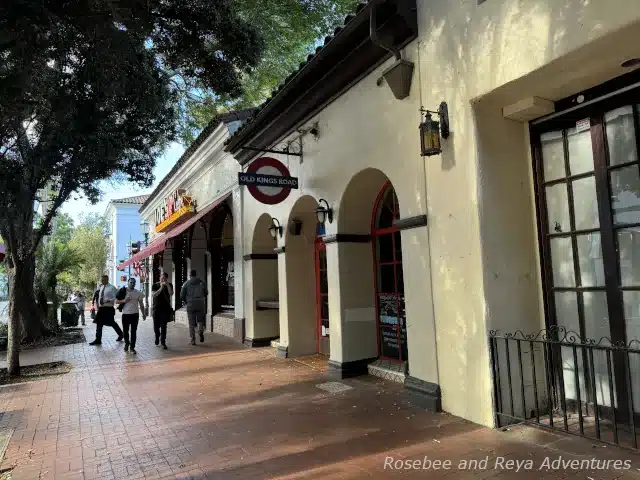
558,380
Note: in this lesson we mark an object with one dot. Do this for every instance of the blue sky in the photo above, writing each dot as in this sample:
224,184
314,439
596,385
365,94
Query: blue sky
81,206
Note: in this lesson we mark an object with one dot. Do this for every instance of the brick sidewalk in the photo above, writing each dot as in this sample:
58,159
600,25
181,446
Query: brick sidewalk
220,410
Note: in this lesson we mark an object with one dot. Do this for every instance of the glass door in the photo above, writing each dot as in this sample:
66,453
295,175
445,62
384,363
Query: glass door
589,189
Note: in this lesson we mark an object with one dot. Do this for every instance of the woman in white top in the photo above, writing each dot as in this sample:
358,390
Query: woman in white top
133,305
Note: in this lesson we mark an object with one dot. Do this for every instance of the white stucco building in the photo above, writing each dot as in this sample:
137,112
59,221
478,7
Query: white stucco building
526,219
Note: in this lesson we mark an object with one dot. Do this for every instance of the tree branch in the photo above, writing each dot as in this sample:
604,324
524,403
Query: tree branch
57,203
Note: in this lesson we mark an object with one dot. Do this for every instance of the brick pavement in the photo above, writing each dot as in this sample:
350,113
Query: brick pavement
220,410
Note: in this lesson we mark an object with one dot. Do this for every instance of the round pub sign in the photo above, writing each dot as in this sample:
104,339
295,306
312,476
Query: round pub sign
268,180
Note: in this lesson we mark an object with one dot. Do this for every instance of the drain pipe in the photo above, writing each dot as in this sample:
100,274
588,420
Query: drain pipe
373,34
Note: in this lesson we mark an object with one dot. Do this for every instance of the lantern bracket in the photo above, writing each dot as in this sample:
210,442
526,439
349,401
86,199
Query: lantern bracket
443,116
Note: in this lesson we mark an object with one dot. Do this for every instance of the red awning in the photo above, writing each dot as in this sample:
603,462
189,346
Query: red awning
159,244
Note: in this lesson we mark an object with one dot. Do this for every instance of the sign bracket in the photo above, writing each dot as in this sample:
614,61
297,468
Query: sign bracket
292,148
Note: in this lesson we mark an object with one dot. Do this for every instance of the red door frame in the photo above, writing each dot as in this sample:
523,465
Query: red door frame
319,246
374,234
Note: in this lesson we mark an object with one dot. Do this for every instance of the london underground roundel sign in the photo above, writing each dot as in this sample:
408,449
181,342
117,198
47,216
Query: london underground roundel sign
268,180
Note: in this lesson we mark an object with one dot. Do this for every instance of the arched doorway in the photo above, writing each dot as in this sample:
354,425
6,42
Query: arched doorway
388,276
262,283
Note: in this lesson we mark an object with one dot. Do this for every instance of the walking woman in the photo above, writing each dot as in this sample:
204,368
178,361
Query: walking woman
162,310
133,306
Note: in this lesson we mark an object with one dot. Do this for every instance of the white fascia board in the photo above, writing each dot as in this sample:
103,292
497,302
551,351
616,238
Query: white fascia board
206,157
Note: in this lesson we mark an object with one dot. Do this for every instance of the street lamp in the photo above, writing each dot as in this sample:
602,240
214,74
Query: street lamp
145,228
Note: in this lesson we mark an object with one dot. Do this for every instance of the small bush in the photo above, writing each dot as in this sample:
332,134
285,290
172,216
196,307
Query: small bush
4,330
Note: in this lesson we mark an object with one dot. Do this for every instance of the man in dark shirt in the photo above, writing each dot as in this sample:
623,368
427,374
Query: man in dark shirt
162,310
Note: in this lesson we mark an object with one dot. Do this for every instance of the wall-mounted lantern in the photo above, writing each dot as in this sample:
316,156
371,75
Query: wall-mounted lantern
324,212
275,228
431,130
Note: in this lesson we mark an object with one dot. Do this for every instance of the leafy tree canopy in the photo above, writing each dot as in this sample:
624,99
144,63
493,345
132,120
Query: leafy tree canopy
290,28
88,90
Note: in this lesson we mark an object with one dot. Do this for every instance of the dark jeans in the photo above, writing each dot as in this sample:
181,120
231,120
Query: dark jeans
130,319
106,316
160,320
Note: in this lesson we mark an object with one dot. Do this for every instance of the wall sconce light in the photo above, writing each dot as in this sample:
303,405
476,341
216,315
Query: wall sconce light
324,213
295,227
431,130
275,228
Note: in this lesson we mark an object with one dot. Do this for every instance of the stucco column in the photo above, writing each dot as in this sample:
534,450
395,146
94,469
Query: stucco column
352,315
283,311
209,281
238,253
419,314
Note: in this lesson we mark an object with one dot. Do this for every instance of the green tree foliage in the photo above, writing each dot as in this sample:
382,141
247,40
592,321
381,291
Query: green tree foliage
89,90
291,29
54,258
90,245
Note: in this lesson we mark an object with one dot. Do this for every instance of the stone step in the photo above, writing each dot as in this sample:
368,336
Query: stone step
396,372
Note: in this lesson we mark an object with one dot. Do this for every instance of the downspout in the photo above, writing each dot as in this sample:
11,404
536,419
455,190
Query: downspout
373,34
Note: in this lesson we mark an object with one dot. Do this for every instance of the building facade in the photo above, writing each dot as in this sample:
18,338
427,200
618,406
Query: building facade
194,218
425,256
123,223
526,219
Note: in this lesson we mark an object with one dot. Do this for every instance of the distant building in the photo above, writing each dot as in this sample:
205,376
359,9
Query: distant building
123,221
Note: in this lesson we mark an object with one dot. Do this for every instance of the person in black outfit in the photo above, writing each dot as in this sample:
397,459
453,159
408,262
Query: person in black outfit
162,310
106,311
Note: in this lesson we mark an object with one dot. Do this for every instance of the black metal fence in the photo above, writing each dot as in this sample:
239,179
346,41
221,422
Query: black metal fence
555,379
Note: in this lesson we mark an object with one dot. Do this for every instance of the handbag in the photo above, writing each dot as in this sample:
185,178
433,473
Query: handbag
93,313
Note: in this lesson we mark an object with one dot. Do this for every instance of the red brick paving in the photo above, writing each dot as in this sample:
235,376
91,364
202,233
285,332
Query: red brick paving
220,410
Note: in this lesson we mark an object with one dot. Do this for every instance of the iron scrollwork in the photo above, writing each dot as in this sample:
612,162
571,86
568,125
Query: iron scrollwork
562,335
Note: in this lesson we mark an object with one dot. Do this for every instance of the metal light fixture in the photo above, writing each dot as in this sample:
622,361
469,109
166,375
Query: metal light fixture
324,213
144,227
275,228
431,130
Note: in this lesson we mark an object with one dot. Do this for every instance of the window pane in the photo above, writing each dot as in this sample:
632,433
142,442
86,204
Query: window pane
597,326
631,302
621,135
629,254
558,208
323,282
591,264
398,245
596,315
400,277
324,309
585,203
562,262
580,151
385,248
625,194
552,155
386,280
567,311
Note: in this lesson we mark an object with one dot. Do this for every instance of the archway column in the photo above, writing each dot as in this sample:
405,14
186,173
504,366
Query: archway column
422,376
352,315
283,310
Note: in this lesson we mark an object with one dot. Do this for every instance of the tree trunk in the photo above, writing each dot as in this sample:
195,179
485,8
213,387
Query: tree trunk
25,321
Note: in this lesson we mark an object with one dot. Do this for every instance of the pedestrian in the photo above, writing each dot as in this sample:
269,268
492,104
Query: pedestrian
162,310
194,294
80,306
132,306
106,311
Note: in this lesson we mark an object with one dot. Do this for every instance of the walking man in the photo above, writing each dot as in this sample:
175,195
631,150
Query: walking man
194,294
131,314
106,312
162,310
80,306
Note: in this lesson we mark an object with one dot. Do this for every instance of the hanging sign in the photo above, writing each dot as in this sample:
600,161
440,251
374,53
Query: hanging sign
176,208
268,180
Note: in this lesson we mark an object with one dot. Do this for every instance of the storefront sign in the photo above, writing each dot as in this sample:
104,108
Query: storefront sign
268,180
176,208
